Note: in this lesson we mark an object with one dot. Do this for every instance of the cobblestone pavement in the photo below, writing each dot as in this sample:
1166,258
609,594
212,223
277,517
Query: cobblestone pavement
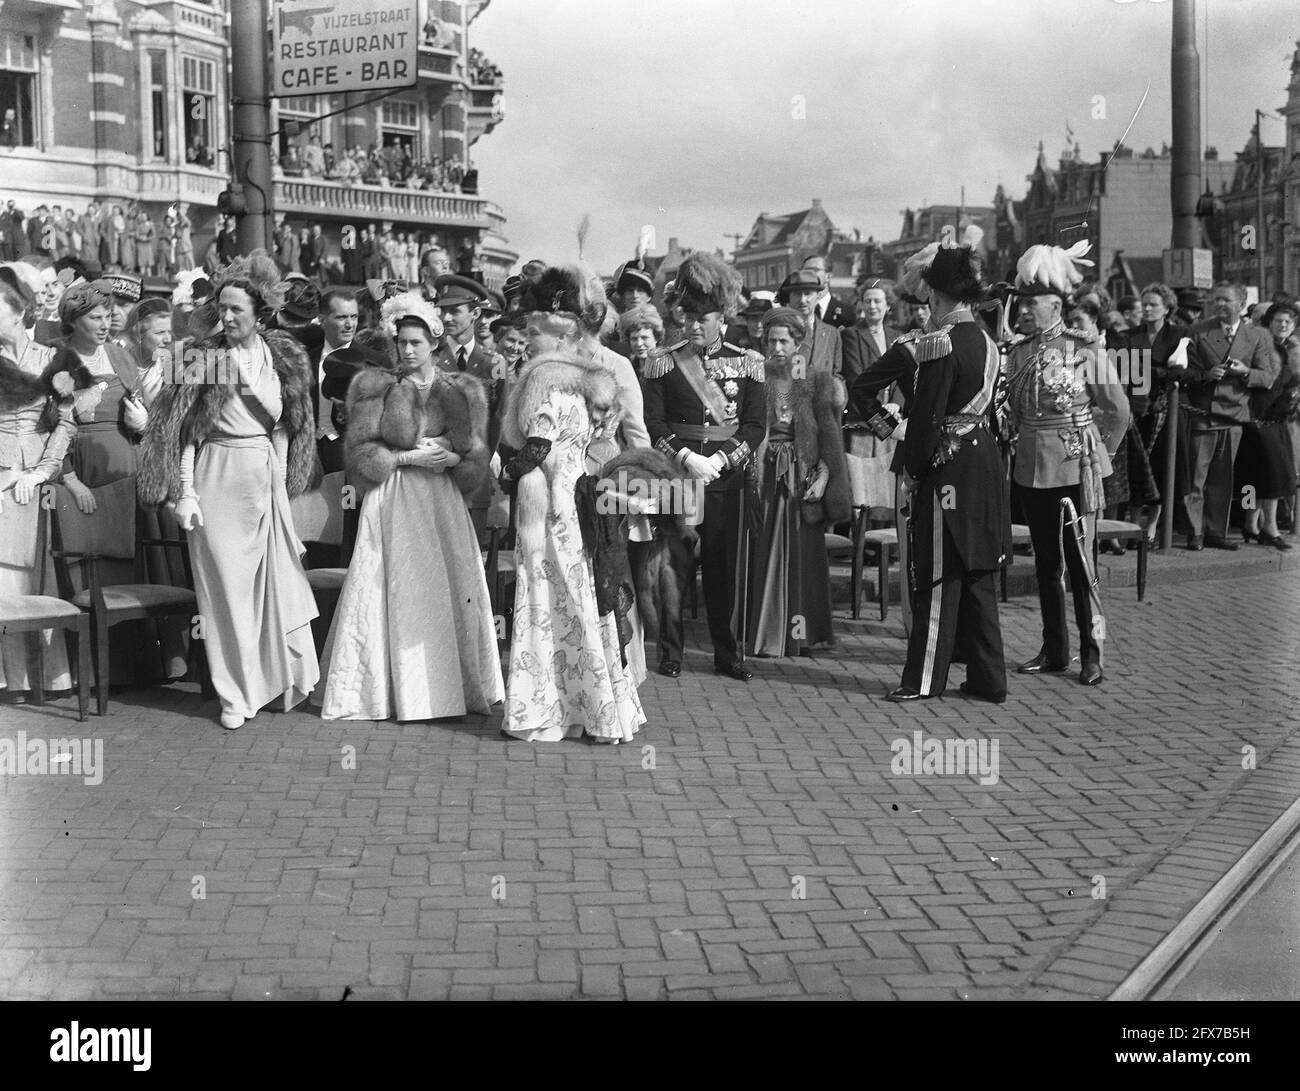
763,848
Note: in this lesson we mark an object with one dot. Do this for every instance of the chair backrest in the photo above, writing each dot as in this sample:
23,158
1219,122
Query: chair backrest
318,513
109,531
859,479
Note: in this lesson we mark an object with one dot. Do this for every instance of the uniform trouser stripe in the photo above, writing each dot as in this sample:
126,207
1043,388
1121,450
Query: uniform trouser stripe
936,595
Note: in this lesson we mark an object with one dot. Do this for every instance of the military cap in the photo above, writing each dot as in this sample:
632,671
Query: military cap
453,290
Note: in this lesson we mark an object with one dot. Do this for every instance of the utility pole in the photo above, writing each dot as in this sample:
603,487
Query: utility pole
735,240
1185,85
250,164
1261,230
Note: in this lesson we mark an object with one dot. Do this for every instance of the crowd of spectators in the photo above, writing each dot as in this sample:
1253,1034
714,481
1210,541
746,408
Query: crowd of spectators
109,238
387,165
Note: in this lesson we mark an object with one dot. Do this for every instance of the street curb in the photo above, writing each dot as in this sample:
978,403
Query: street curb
1152,971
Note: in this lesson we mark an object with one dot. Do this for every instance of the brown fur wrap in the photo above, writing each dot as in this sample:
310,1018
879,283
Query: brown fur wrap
816,406
20,388
185,413
387,413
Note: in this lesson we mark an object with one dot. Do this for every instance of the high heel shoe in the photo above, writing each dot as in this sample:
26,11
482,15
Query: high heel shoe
1249,536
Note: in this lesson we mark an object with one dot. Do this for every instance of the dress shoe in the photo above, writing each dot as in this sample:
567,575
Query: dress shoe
670,668
1090,675
905,693
1249,536
980,695
1040,664
1195,543
231,721
1221,543
738,671
1275,540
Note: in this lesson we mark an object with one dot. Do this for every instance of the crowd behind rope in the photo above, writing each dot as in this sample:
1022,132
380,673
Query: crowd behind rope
632,429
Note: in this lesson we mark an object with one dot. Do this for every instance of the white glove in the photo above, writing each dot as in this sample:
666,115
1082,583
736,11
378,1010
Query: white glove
25,487
135,415
188,513
719,460
699,466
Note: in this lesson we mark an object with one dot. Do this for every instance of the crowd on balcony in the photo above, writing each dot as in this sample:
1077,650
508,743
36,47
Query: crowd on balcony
483,71
104,238
386,165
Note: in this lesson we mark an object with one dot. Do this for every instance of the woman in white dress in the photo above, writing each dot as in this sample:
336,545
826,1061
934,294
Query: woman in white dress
413,637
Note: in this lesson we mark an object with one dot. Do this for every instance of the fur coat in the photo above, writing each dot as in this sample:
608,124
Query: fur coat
185,413
57,383
388,414
817,409
537,381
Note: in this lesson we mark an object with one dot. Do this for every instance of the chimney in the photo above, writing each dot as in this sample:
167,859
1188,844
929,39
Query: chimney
817,204
1211,154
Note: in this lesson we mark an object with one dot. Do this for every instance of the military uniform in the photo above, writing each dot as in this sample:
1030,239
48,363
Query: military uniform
1058,378
960,523
706,405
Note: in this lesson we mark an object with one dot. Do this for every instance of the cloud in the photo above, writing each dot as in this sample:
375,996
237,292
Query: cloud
684,114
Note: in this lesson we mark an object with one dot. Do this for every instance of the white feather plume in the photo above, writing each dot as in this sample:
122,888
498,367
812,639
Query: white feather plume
914,268
1052,266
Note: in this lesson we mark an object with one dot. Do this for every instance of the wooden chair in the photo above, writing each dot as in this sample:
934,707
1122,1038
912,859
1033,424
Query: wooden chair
318,517
32,615
499,562
867,484
84,540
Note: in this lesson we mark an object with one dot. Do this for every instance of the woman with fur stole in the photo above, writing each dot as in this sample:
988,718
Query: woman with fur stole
804,489
567,675
413,637
229,451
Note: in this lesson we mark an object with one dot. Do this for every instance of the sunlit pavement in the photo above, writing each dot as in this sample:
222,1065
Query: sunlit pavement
752,842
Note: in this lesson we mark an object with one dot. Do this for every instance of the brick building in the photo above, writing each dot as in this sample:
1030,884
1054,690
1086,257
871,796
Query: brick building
1291,181
923,226
128,100
778,245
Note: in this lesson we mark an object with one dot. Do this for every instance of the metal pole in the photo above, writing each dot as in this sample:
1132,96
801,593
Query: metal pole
1185,85
1261,233
251,163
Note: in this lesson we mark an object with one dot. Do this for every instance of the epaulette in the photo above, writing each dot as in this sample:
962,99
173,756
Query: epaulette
1081,335
932,346
755,365
660,362
908,338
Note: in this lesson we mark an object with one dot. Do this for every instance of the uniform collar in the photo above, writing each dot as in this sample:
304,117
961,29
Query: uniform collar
1054,330
712,350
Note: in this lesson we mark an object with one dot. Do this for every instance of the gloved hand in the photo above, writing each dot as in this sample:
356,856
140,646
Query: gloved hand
134,415
817,486
26,487
719,460
701,467
81,494
188,513
534,453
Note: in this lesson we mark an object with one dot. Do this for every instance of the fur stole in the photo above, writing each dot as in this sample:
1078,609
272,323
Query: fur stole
646,472
816,407
57,384
388,414
185,413
538,380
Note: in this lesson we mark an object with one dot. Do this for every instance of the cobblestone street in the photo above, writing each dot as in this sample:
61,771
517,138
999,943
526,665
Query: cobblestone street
762,848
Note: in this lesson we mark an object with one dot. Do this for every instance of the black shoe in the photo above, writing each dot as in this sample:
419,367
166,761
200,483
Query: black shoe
738,671
1195,543
1221,543
670,668
1249,536
979,695
1090,675
1275,540
1040,664
906,693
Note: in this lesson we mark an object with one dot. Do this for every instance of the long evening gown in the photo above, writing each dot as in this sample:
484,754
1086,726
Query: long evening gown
566,671
254,599
413,637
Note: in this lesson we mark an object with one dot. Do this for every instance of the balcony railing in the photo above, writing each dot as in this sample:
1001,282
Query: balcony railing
189,183
324,198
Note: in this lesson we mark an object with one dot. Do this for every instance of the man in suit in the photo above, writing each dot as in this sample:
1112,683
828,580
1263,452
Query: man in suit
461,302
821,348
1228,358
861,346
706,408
829,309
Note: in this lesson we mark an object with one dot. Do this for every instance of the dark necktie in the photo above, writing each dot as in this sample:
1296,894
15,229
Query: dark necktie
462,356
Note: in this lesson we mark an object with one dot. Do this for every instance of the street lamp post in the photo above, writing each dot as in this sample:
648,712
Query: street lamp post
251,143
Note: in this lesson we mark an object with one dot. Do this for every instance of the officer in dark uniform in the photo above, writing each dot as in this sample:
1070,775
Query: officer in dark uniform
705,406
960,525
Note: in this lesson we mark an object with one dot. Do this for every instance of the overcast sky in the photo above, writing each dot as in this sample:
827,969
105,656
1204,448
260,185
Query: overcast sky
683,113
